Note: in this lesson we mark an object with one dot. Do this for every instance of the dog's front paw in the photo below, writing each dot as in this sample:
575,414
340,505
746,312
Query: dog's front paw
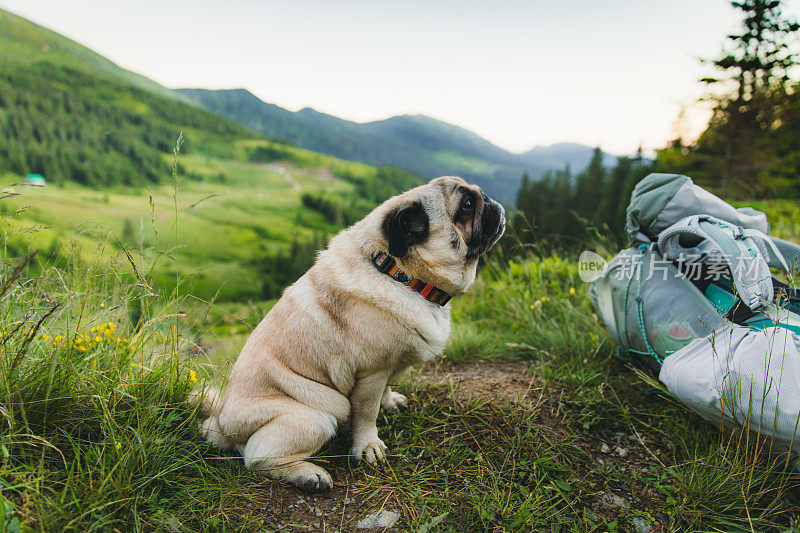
312,480
393,400
372,452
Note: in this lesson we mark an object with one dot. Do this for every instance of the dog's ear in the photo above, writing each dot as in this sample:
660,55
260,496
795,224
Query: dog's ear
404,227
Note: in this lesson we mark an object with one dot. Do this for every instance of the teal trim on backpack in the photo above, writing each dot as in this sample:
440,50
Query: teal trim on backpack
640,305
725,301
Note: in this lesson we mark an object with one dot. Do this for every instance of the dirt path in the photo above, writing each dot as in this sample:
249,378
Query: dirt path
284,171
491,380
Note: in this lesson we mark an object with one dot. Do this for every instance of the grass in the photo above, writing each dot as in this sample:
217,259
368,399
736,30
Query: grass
528,422
97,434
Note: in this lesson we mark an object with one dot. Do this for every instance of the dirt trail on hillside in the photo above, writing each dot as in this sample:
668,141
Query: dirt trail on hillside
284,171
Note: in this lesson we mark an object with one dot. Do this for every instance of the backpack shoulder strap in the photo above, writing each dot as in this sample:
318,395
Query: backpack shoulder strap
707,239
779,253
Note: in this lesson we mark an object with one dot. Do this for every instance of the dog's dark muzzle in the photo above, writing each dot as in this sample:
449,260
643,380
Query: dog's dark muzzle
493,220
491,228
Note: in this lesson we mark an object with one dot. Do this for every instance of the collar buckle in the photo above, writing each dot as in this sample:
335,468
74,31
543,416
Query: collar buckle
386,264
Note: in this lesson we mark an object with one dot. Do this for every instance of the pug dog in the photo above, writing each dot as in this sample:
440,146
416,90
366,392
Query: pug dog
374,303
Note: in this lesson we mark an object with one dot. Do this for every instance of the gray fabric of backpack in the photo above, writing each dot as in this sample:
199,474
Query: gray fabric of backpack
694,299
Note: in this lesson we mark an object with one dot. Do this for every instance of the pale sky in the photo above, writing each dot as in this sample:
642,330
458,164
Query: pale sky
613,73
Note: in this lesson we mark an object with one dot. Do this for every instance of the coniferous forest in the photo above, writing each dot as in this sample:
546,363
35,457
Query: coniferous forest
70,125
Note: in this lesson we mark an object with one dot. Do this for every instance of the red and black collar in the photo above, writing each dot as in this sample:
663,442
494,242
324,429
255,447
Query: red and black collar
386,264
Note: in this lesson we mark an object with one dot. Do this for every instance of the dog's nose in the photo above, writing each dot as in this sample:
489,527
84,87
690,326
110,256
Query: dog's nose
495,203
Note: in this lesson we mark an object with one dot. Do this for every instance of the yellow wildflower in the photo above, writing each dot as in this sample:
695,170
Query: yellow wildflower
192,376
78,340
572,290
58,339
102,304
83,348
119,445
98,339
545,299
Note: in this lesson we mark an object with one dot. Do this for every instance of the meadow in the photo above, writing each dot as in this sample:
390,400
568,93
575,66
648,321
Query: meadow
529,421
253,210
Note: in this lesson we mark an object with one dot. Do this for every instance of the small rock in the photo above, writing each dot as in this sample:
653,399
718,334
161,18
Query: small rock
604,448
317,511
347,501
641,525
622,452
612,500
600,462
382,519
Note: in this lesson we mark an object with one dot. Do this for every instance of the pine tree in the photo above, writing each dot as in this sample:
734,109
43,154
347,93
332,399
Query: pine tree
754,73
614,196
590,186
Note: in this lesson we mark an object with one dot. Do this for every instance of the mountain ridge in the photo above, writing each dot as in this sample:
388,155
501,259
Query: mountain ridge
420,143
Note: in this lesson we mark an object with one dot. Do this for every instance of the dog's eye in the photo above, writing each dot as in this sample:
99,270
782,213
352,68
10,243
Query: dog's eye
466,205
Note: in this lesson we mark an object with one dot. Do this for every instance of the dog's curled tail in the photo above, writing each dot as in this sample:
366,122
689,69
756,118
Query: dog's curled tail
207,401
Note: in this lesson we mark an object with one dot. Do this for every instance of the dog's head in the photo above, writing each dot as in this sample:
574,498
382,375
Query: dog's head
438,231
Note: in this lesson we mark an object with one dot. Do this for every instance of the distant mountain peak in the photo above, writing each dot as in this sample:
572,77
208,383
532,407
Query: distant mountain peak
418,142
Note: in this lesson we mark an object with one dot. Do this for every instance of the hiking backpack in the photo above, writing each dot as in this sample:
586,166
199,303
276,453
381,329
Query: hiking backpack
694,299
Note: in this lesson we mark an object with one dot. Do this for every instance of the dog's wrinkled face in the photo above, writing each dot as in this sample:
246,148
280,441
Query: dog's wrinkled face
437,231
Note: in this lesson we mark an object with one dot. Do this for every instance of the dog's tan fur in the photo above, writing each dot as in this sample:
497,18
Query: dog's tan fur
327,350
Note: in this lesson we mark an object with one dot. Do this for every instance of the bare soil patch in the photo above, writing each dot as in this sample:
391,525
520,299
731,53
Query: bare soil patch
490,380
285,508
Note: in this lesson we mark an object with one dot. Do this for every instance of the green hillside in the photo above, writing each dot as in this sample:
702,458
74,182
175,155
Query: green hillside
72,125
238,221
422,144
23,41
72,115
